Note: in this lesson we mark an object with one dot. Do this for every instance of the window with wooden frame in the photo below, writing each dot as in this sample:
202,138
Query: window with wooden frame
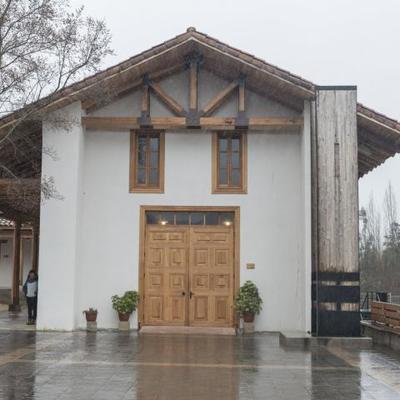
229,158
147,162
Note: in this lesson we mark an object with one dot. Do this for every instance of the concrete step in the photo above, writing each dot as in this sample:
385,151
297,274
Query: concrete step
194,330
304,340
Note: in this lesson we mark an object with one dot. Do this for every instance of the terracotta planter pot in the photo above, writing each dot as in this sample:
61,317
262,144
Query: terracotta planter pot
124,316
248,317
91,316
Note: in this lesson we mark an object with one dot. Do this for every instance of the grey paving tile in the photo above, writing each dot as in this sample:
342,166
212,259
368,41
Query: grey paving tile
111,366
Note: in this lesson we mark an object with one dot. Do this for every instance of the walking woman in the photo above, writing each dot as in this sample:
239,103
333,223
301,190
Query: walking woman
30,289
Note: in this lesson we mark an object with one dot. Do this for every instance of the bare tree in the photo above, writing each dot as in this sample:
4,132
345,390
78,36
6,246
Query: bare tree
391,252
374,225
380,264
370,247
44,46
389,208
370,233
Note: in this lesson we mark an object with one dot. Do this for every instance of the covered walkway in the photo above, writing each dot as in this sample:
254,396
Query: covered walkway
14,321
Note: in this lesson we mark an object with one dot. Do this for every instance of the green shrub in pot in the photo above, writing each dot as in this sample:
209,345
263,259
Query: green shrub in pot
125,304
248,302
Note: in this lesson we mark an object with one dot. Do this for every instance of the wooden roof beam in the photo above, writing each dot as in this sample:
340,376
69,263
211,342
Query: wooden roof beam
219,99
168,101
222,123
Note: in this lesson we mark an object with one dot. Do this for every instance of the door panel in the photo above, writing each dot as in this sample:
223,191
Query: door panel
211,276
165,279
200,309
188,275
155,304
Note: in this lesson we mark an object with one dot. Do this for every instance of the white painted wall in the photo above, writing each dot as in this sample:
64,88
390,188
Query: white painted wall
95,251
6,257
6,261
59,228
307,213
272,219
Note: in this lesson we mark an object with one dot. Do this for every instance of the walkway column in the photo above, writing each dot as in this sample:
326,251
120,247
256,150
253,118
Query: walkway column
15,305
60,218
35,247
336,278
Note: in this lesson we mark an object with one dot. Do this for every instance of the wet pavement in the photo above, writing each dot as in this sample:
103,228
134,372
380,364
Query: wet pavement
112,365
10,321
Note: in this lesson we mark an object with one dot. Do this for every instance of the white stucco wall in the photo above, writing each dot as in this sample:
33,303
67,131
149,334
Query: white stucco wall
272,226
5,263
307,212
59,219
6,260
95,253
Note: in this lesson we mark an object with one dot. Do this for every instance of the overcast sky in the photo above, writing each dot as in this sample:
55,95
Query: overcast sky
330,42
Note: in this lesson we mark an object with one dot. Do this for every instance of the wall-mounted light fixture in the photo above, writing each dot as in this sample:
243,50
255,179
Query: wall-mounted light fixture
163,222
227,223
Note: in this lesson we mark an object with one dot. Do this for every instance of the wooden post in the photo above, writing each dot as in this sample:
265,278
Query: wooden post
193,117
336,279
21,261
193,97
241,104
145,114
15,305
35,248
242,121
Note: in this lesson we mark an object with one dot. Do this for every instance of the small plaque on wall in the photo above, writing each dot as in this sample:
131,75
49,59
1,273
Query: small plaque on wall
250,266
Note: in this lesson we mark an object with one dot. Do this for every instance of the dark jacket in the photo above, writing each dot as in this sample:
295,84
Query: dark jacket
25,287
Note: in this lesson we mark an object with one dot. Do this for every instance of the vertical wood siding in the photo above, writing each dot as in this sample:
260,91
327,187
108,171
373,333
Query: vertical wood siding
337,180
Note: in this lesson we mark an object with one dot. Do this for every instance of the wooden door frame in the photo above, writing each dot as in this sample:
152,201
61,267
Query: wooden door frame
142,243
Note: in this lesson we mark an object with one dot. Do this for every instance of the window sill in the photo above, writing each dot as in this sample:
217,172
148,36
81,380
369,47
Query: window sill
229,191
146,190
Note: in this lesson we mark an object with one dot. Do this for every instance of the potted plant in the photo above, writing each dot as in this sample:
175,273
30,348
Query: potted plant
125,304
91,314
248,302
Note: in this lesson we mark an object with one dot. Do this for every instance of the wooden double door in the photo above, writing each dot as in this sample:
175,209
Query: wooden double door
189,275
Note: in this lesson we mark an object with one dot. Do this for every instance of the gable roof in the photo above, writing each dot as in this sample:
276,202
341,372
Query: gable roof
379,135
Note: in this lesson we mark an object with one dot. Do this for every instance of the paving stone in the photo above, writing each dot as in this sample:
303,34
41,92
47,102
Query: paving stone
114,366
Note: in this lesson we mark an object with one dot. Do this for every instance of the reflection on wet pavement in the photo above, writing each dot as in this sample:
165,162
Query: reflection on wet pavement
111,365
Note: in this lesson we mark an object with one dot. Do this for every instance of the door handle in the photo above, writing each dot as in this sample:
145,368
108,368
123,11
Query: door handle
191,294
183,293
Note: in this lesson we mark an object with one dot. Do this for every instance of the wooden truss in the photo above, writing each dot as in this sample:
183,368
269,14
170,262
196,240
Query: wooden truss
193,118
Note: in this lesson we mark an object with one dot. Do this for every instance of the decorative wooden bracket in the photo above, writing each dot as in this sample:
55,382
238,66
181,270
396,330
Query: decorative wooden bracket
241,120
219,99
168,101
